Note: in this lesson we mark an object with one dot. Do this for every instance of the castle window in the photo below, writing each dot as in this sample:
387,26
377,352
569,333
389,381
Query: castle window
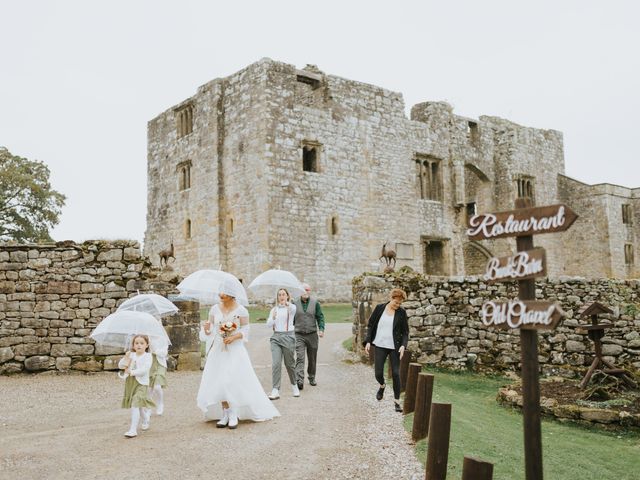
187,229
434,257
626,214
184,120
474,134
628,254
311,156
525,187
309,78
334,226
472,209
429,177
184,175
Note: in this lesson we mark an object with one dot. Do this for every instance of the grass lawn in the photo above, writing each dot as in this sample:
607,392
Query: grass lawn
333,313
483,429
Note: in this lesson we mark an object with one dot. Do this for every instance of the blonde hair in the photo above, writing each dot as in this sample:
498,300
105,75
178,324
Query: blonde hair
144,337
398,293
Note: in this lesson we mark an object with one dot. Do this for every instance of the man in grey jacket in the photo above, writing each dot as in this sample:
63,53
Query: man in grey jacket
309,325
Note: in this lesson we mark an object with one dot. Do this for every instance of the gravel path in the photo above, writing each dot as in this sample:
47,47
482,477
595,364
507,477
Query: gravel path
70,426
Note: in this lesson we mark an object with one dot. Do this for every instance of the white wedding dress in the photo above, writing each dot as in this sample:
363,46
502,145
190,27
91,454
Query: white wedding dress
228,374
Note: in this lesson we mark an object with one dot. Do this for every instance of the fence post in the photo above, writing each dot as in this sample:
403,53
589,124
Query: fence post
476,469
424,392
404,369
410,392
438,447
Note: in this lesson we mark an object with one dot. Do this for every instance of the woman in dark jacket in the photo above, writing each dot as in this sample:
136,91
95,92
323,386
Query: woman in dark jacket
388,331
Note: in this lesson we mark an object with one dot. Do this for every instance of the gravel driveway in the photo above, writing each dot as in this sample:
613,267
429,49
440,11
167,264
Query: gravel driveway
70,426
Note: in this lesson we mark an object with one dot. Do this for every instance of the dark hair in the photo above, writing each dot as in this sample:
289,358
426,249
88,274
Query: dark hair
144,337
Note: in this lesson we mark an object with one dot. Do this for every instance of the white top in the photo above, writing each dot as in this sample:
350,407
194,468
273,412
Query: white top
216,317
139,367
281,318
384,334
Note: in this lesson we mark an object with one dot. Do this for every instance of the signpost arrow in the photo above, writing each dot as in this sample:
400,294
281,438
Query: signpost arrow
521,222
521,266
527,314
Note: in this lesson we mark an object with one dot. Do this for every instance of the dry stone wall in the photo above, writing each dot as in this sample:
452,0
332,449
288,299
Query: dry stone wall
52,297
446,330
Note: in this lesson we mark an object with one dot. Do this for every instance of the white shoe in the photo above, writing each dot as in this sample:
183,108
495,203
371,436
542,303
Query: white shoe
275,394
233,419
224,421
144,426
131,434
159,410
295,390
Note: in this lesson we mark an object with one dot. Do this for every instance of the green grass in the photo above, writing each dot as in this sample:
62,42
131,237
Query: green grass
348,344
333,313
483,429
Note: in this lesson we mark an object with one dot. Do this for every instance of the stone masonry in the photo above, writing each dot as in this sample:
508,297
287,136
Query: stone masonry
275,166
446,329
53,295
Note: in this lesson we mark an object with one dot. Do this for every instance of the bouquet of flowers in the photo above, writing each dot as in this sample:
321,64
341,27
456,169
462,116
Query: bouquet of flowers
227,329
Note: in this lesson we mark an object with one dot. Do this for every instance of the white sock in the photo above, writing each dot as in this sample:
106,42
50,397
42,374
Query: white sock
146,414
158,396
135,418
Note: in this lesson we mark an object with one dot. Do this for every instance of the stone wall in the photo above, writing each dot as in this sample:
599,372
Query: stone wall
446,330
53,295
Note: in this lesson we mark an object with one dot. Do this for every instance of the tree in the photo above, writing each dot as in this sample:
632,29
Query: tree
29,207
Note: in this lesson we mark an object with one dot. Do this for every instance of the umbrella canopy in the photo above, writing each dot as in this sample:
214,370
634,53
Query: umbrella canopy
206,285
117,329
150,303
267,284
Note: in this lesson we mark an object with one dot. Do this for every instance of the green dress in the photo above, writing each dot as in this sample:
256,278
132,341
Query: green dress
136,395
157,374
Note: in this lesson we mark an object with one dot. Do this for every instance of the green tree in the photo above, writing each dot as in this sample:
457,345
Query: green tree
29,207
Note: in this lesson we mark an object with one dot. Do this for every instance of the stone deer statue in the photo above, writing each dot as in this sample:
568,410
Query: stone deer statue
388,255
166,254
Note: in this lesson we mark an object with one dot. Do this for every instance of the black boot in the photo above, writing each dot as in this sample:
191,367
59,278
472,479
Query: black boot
380,393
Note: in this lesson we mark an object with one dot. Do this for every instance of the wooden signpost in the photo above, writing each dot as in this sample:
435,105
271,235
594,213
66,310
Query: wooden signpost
525,312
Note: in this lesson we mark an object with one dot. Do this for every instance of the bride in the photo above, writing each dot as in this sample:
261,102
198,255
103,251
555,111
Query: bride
229,389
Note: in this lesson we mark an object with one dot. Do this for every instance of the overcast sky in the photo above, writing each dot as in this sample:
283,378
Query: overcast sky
80,79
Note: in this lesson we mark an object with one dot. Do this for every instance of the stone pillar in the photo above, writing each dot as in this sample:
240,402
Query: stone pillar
182,329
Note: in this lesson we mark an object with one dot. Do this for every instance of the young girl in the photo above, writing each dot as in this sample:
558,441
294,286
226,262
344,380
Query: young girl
229,389
283,343
157,374
137,364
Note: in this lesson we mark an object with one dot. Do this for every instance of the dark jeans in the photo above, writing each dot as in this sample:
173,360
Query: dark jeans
380,356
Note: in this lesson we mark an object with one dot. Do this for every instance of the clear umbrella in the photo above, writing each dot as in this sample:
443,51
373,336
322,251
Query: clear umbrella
150,303
267,284
206,285
118,329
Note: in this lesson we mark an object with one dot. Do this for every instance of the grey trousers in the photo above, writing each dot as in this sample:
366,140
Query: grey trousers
306,343
282,346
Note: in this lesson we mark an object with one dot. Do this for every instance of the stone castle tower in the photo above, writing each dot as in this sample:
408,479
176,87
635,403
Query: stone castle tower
274,166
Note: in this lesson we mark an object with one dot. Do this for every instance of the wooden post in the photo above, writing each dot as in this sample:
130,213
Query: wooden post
438,447
476,469
530,380
404,369
424,392
410,393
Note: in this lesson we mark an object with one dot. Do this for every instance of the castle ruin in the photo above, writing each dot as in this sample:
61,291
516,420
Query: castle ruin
275,166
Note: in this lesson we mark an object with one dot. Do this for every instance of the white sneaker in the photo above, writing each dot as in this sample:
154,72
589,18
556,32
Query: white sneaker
224,421
295,390
275,394
233,419
159,409
131,434
144,426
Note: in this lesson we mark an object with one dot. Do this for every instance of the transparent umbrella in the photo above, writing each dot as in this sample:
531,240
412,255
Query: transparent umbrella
267,284
150,303
206,285
118,329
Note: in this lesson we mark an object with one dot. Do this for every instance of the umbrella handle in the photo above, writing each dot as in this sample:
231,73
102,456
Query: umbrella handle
122,375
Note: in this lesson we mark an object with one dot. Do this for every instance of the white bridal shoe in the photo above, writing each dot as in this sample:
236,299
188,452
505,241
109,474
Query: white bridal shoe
275,394
295,390
233,419
224,421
